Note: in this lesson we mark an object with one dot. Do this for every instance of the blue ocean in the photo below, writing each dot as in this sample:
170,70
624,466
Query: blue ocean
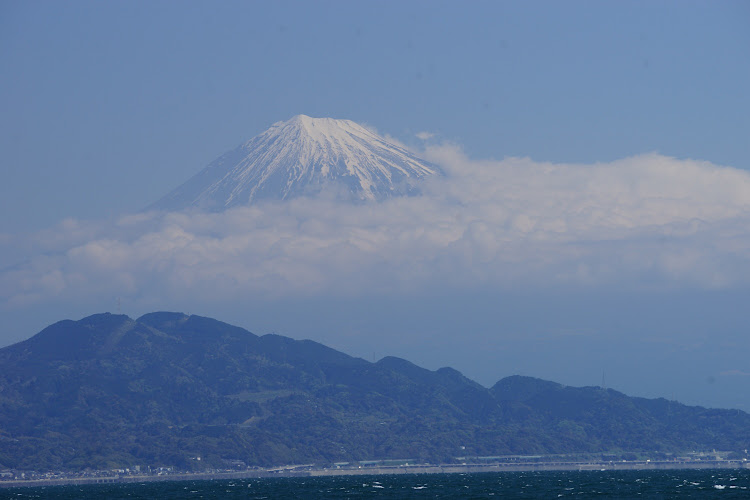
590,484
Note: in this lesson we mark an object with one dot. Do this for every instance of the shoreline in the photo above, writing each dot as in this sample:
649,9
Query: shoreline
387,470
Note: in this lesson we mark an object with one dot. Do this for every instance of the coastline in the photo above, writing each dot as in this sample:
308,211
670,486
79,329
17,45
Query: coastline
387,470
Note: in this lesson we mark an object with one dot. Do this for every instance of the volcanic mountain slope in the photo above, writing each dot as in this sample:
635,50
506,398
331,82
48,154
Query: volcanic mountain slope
303,157
109,391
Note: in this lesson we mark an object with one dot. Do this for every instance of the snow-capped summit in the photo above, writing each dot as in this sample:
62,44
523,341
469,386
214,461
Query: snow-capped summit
303,157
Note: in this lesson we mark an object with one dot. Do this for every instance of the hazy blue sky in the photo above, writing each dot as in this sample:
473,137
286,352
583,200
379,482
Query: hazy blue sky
601,150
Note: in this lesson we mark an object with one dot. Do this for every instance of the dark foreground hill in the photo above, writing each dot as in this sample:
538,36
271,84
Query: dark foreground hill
167,388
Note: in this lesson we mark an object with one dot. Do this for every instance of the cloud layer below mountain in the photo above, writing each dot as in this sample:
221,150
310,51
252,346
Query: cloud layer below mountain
647,221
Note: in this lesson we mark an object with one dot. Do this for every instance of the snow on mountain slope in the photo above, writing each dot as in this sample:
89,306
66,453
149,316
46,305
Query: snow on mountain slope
303,157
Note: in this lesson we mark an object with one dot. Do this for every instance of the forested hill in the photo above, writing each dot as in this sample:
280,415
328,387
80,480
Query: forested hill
110,391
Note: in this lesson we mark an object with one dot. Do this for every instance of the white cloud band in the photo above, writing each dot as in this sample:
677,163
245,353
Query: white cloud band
644,221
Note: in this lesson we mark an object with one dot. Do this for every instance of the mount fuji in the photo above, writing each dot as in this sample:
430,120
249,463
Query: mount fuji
303,156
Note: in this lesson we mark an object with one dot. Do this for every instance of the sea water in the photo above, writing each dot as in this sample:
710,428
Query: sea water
589,484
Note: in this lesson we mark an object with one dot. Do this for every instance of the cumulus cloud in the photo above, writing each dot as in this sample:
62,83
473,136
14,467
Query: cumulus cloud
644,221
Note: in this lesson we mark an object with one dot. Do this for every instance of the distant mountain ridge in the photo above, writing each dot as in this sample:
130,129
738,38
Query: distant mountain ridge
303,156
109,391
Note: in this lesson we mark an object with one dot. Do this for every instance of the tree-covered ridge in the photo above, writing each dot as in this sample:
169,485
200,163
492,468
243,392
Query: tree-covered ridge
110,391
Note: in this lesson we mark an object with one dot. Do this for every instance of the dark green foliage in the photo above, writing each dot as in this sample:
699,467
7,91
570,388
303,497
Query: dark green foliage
108,391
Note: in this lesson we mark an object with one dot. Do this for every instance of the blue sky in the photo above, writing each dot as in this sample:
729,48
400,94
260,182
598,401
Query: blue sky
640,108
133,97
